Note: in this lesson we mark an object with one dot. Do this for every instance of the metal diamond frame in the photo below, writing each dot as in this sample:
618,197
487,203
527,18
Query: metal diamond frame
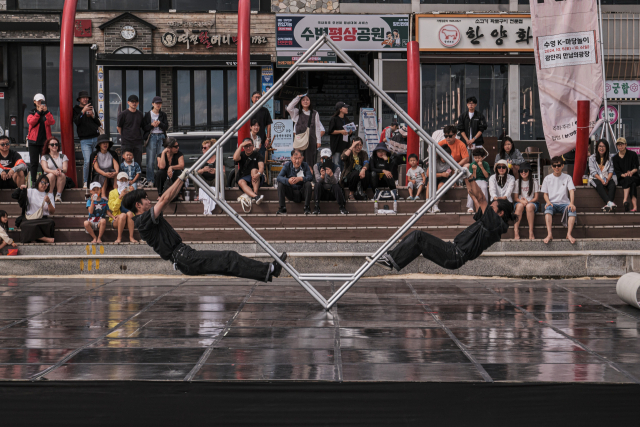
217,193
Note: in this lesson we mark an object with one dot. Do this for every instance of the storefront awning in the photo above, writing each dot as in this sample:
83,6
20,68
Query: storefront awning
123,60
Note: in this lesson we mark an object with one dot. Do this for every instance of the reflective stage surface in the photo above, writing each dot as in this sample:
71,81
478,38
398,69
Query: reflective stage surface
215,329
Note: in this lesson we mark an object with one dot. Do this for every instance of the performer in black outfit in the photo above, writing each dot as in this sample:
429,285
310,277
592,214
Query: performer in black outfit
164,240
492,221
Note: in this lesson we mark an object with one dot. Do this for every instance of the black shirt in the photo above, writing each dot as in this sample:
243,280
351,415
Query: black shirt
131,127
264,119
157,233
628,163
174,159
9,162
486,231
337,142
249,162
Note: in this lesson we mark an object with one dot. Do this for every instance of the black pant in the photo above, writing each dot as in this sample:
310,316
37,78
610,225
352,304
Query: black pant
354,178
632,183
294,195
223,263
331,193
382,182
161,180
34,155
445,254
137,150
606,192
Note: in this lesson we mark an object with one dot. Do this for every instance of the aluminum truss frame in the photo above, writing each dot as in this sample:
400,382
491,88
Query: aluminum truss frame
304,280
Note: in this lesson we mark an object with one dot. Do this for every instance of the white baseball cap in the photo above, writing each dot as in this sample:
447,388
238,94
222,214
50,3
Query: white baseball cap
38,97
122,175
95,185
325,152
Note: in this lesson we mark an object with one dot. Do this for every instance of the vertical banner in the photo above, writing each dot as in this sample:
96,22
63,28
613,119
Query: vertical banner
569,68
101,94
282,135
368,129
267,82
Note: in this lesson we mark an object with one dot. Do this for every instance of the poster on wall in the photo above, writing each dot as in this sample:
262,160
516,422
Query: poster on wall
349,32
282,134
101,94
267,82
368,129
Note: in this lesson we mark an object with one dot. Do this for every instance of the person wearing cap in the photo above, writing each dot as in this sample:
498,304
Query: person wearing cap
626,165
130,129
99,211
104,165
40,121
559,192
327,176
263,117
501,184
122,218
338,137
88,128
155,124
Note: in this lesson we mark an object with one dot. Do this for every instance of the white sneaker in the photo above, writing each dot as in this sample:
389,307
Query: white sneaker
85,186
435,209
58,198
470,211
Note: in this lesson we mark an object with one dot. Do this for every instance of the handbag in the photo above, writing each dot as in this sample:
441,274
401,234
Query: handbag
68,182
301,140
146,141
37,214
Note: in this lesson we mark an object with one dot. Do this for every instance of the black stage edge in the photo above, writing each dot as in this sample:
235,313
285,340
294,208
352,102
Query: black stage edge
119,403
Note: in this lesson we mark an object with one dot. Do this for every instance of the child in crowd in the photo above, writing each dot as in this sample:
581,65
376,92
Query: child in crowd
132,169
480,171
526,196
98,208
5,240
443,172
121,217
416,178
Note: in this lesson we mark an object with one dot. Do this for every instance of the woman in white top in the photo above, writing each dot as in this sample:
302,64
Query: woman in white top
305,117
602,176
526,195
501,184
54,164
38,204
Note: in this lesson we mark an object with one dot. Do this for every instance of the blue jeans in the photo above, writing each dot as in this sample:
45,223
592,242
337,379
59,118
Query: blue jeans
557,208
88,146
154,147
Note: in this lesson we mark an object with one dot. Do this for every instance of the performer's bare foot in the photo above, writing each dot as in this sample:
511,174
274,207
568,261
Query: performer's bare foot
99,240
132,240
46,239
516,235
548,239
117,241
532,237
94,241
571,239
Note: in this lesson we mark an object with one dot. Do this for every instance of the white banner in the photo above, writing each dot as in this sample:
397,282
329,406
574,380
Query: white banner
282,134
569,67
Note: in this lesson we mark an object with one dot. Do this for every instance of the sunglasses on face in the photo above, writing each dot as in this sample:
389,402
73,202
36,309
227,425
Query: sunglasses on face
521,172
501,167
4,145
175,146
54,145
559,165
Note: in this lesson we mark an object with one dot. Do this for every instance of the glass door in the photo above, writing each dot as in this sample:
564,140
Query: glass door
628,125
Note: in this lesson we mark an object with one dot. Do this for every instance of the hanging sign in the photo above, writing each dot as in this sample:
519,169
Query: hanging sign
623,89
82,28
282,135
613,114
368,129
267,82
286,58
101,94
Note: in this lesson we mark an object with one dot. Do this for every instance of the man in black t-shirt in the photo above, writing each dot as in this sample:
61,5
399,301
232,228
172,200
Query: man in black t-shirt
166,242
491,223
130,129
250,173
12,168
263,117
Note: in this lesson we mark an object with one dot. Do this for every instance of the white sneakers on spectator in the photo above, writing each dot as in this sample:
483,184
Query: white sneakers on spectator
258,199
84,187
470,211
435,209
58,198
609,207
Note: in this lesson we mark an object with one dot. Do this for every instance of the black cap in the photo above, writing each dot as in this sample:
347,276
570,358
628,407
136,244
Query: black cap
156,100
133,98
341,104
83,94
525,166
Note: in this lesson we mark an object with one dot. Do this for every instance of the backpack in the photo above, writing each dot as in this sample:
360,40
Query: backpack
382,195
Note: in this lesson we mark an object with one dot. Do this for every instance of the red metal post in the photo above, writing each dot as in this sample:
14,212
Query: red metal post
582,142
66,86
244,64
413,96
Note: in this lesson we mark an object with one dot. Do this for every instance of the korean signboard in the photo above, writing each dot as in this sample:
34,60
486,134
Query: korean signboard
561,50
171,39
282,135
287,58
350,32
623,89
477,33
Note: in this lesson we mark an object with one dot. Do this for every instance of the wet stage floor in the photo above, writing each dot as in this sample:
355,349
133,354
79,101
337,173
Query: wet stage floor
215,329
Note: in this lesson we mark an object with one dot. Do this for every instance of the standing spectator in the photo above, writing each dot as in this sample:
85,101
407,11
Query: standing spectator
88,128
601,175
511,154
338,137
327,175
356,163
13,170
5,240
305,117
443,172
294,182
170,160
54,164
250,174
555,188
40,121
98,208
37,204
121,217
480,172
130,129
208,170
501,185
154,125
380,164
526,195
458,148
416,178
471,124
131,168
396,140
626,166
104,164
255,137
263,117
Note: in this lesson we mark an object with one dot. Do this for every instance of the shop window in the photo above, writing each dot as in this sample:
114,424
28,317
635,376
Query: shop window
217,99
120,84
388,115
128,51
90,4
530,116
465,2
207,5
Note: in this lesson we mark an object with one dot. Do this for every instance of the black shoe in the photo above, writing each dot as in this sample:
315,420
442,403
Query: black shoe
316,210
344,210
277,268
281,211
626,206
383,262
307,211
258,199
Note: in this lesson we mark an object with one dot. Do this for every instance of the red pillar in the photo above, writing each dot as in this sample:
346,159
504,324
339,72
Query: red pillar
66,86
582,142
244,72
413,96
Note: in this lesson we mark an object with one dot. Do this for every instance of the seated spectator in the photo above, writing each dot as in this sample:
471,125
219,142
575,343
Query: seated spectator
170,163
121,217
511,154
526,195
5,240
626,166
356,165
294,182
131,168
501,184
555,188
104,165
327,176
458,148
443,172
395,139
601,175
208,171
98,208
13,170
480,172
54,164
380,165
37,204
415,178
250,174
